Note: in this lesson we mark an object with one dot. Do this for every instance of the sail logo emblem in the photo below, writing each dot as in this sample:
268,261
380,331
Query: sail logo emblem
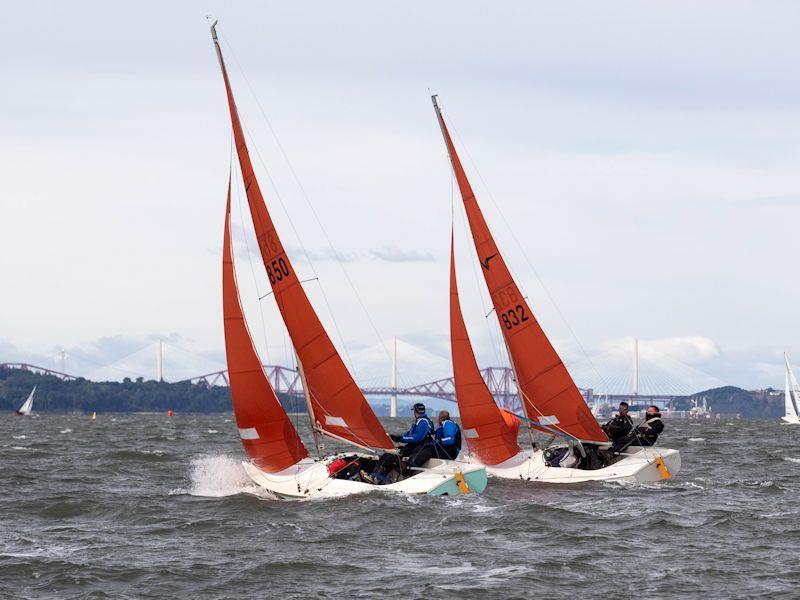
485,261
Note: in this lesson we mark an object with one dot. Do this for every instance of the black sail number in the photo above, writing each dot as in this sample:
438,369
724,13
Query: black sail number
514,316
277,270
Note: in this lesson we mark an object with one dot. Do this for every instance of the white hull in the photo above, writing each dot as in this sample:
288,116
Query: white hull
639,464
310,479
790,420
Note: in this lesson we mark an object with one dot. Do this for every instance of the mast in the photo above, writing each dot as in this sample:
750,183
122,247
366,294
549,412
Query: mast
315,427
548,392
485,430
267,433
338,404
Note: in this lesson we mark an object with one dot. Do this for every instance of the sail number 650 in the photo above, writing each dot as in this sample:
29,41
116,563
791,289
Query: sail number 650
514,316
277,270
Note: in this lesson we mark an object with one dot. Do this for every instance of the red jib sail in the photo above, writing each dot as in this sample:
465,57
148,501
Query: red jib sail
549,395
268,436
487,434
338,407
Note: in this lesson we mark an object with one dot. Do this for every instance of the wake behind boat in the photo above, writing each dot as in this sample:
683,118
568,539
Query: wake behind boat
551,401
279,461
27,406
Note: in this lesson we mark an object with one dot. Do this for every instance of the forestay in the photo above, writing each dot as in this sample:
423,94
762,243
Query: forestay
550,397
267,434
338,407
486,431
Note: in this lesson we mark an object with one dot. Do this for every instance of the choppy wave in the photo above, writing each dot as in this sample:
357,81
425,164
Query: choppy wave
105,500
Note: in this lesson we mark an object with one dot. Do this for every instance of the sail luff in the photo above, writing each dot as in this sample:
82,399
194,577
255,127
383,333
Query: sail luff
267,433
485,430
338,404
792,393
27,406
548,392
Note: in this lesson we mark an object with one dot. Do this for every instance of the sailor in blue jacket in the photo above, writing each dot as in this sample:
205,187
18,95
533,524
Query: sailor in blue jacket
418,439
447,438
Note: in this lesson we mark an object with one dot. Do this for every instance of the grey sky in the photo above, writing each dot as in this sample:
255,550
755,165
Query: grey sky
645,154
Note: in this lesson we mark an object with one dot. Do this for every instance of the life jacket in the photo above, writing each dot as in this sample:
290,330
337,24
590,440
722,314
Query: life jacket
648,432
431,429
456,437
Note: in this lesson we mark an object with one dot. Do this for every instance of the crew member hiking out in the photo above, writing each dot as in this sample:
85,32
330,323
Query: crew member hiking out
648,430
447,438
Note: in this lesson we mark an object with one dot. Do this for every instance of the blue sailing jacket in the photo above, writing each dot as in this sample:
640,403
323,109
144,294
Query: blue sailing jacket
448,434
419,432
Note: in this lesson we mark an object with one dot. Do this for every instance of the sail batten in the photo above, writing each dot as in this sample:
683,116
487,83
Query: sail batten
545,385
267,433
331,388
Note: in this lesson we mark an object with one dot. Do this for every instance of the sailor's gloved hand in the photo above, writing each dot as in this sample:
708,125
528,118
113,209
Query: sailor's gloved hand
395,437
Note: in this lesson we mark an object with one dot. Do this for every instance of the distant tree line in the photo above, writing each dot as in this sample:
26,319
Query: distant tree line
54,394
57,395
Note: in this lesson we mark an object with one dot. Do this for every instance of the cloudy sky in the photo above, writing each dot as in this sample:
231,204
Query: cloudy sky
638,162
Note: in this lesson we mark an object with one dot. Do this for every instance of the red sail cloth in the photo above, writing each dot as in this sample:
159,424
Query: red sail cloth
483,426
339,408
268,436
549,395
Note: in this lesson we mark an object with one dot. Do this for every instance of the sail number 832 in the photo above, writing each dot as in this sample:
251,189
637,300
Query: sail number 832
513,316
277,270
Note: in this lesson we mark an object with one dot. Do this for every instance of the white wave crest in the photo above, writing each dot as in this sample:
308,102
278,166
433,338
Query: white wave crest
791,459
697,439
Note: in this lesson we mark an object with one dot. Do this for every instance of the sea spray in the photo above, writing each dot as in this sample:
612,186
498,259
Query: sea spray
218,476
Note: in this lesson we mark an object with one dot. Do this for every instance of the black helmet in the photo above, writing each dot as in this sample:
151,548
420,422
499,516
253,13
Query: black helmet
419,407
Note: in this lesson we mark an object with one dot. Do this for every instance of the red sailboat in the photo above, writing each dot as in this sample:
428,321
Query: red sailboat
278,459
551,401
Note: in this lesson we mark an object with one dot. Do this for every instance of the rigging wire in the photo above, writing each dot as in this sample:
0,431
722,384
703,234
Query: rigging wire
310,205
522,249
288,216
250,256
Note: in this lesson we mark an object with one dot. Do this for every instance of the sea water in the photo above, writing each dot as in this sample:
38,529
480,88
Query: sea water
146,506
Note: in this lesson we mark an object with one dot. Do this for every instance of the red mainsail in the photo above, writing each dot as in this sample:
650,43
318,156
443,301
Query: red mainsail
485,430
549,395
338,407
268,436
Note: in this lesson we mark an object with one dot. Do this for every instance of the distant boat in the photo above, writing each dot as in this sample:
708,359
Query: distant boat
338,410
94,416
551,401
27,406
791,397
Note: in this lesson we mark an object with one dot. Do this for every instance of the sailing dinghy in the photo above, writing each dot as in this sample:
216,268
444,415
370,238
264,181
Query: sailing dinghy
551,401
279,461
27,406
791,397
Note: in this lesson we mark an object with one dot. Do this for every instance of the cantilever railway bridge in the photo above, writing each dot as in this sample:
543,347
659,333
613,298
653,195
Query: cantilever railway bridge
500,381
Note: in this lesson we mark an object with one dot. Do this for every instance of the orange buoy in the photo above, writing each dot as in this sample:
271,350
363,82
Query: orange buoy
169,413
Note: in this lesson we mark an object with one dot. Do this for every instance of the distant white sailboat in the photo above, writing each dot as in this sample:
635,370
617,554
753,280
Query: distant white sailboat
791,396
27,406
